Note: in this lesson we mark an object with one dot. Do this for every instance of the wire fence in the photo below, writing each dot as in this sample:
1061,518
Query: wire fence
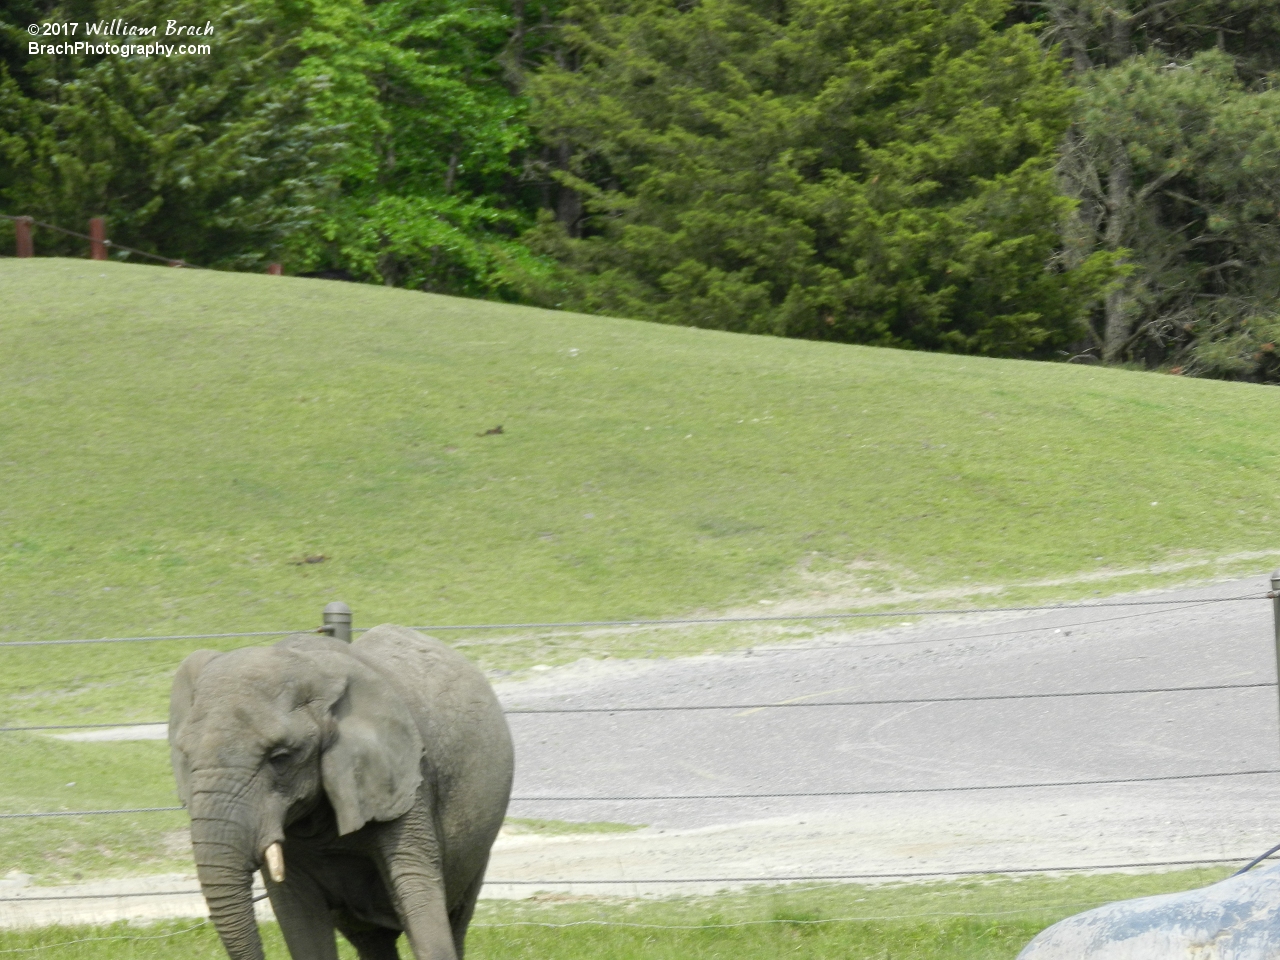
634,925
757,878
781,795
106,243
1156,606
133,937
775,705
670,622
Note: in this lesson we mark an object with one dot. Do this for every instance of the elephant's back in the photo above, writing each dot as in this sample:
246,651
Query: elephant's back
414,658
445,691
468,750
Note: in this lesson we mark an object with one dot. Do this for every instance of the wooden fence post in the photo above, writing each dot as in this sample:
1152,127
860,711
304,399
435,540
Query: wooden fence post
22,237
98,239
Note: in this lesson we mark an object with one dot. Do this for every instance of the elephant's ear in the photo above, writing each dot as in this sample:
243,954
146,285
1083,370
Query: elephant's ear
372,766
180,697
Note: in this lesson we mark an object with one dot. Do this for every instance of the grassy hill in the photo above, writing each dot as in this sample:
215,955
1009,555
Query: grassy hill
174,444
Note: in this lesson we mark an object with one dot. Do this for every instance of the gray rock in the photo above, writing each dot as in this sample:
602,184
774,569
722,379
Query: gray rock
1234,919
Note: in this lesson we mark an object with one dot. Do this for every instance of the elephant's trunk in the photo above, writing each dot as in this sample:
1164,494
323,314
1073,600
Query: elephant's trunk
229,893
225,861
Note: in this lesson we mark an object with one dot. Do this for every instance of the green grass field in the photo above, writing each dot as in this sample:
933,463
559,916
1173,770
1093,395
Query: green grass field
980,919
42,774
175,444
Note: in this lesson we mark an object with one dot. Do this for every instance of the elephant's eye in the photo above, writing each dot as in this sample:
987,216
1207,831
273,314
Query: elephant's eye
280,757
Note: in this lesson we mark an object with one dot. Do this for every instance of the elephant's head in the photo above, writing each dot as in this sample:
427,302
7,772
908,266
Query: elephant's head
258,736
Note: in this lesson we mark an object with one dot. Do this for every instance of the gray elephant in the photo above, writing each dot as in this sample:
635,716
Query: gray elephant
369,780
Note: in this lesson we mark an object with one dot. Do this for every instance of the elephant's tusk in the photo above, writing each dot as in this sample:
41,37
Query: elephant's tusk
275,862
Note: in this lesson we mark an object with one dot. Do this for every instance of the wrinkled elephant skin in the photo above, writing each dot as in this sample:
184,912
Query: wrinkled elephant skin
366,780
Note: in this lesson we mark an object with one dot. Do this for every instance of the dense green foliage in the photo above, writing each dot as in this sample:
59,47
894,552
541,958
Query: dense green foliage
430,127
1005,177
214,159
372,139
1173,157
1202,152
855,170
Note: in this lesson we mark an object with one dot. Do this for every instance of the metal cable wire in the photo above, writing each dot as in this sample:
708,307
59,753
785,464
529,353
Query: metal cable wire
749,796
785,878
186,636
754,923
86,813
842,645
68,943
194,892
666,623
901,790
885,702
83,726
669,708
1257,860
840,616
106,243
632,925
880,876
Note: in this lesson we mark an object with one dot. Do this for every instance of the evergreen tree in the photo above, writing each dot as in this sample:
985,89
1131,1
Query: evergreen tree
876,171
1173,161
215,159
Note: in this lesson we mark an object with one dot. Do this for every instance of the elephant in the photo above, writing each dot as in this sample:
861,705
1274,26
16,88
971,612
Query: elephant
367,780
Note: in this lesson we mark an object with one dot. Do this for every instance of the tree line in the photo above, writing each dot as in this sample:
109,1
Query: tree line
1071,179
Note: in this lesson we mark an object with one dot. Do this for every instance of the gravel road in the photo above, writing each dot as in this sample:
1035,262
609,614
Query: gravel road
922,747
928,747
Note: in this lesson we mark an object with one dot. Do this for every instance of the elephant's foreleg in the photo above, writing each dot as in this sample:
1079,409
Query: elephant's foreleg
304,917
420,904
411,867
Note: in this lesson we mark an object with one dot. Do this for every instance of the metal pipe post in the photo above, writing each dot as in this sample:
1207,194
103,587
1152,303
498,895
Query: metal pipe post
98,238
337,621
22,237
1275,614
